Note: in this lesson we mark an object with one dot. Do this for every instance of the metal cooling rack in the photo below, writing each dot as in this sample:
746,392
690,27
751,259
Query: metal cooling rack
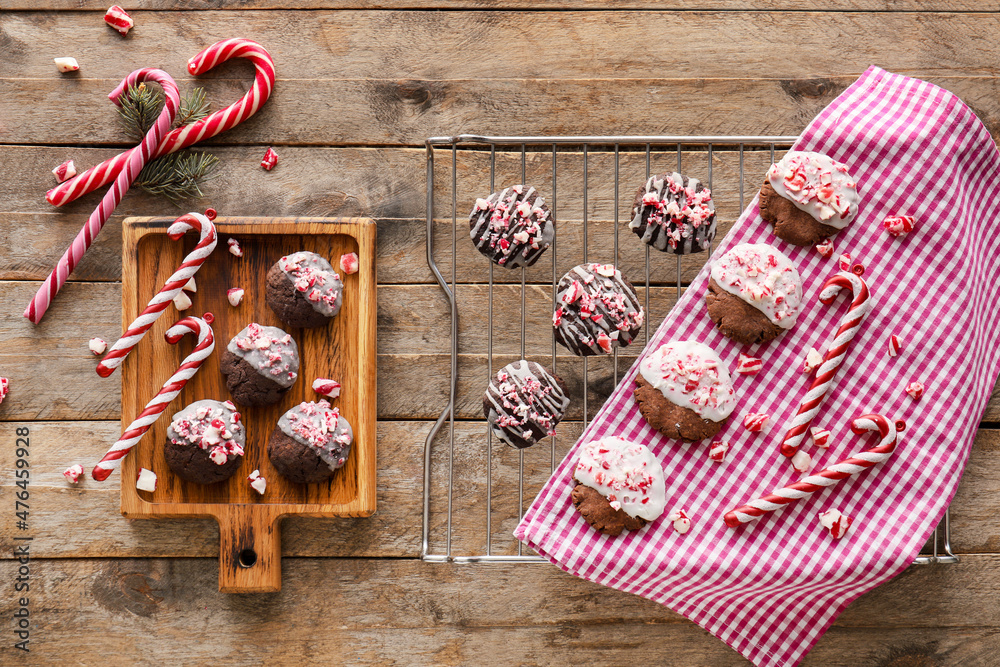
660,153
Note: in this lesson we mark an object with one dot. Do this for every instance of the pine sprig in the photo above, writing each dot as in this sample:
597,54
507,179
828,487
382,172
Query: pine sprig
177,176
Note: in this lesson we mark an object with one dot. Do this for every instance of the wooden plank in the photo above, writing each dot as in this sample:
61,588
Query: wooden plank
389,611
86,518
489,45
408,109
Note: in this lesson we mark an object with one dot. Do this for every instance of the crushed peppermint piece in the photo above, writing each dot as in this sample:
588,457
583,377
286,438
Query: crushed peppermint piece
898,225
118,18
4,388
749,365
680,521
845,262
895,347
818,185
835,522
146,480
65,171
801,461
66,65
325,387
821,437
763,277
73,473
257,482
190,286
825,248
235,296
813,360
97,346
269,160
717,452
234,247
915,389
690,374
349,263
182,301
756,422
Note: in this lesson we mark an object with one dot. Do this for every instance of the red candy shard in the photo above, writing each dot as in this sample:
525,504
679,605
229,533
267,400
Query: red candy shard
717,452
269,160
801,461
4,388
813,360
898,225
845,262
825,248
749,365
680,520
821,437
234,247
755,422
835,522
915,389
65,171
894,345
349,263
118,18
73,473
326,387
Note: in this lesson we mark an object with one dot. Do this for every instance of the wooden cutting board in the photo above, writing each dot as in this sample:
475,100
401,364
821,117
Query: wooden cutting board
344,350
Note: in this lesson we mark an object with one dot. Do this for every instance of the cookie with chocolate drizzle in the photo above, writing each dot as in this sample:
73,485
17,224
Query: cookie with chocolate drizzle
674,213
596,310
524,402
512,227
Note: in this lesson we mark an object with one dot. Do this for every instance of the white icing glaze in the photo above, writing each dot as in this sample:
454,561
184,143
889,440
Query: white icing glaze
763,277
691,375
625,473
818,185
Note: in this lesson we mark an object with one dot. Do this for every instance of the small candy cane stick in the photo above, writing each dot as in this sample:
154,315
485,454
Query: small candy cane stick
834,356
170,289
829,476
133,434
188,135
133,164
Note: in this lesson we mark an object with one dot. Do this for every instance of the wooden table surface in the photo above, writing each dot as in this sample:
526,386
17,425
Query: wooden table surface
361,84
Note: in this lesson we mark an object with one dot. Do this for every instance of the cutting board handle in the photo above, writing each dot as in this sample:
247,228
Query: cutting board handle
249,550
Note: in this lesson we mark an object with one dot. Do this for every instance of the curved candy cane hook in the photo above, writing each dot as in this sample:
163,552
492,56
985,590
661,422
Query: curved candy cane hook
829,476
849,326
186,136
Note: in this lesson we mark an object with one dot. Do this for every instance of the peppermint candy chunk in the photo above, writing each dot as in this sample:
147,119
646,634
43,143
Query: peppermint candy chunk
801,461
65,171
895,347
235,296
65,65
717,452
146,481
234,248
756,422
182,301
749,365
813,360
835,522
257,482
326,387
190,286
825,248
898,225
821,437
349,262
73,473
915,389
98,346
845,262
269,160
118,18
680,520
4,388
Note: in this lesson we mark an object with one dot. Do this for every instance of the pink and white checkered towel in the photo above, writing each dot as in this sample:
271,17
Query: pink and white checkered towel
771,588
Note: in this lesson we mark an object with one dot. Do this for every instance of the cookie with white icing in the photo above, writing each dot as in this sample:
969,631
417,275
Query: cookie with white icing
524,402
674,213
261,363
808,197
684,390
512,227
596,310
754,293
619,485
304,290
205,442
310,443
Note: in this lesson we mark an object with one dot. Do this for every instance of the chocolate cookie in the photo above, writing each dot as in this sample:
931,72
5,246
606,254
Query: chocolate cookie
684,390
754,293
303,290
808,197
619,485
205,442
310,443
524,402
511,227
261,363
673,212
597,309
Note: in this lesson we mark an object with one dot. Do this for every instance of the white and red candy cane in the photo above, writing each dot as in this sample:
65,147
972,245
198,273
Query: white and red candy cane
188,135
827,477
834,356
133,164
133,434
171,289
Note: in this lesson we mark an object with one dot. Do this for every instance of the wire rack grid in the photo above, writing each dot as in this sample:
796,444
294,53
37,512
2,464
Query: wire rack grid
590,160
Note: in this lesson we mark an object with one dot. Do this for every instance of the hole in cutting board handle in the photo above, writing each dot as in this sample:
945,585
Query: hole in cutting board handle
247,558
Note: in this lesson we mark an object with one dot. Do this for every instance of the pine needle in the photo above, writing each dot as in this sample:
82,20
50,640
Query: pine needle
177,176
140,108
193,108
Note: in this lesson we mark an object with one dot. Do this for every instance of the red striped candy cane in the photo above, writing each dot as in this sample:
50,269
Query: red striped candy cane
849,280
133,434
198,222
133,164
182,137
828,477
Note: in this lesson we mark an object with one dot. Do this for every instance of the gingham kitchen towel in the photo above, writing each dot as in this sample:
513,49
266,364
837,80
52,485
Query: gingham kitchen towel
771,588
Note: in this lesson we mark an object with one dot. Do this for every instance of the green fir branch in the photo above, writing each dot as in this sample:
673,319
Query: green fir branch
177,176
193,108
140,107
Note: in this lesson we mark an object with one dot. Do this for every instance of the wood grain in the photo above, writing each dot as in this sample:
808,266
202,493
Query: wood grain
250,550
